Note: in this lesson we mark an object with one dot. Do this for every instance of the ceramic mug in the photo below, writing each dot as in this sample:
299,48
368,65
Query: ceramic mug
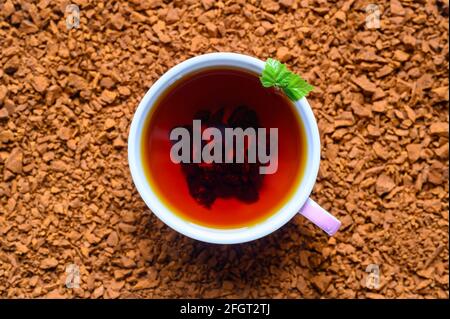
299,203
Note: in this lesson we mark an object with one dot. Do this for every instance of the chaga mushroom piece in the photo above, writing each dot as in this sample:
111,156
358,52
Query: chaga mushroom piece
217,118
200,187
208,181
243,117
202,115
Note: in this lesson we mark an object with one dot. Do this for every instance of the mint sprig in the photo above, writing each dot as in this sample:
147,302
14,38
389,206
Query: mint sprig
276,74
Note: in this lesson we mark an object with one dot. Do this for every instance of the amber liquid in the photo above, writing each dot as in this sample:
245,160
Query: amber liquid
212,89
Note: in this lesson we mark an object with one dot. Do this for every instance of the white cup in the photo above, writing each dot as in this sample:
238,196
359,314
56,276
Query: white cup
300,203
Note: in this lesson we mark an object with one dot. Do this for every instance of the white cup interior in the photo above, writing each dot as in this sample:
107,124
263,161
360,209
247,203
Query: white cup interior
190,229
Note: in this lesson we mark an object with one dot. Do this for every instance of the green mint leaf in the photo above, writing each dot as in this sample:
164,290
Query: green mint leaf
276,74
297,87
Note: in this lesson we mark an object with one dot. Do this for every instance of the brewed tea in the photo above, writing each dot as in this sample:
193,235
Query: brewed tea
220,194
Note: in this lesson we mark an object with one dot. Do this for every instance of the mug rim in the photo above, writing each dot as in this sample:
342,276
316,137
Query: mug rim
188,228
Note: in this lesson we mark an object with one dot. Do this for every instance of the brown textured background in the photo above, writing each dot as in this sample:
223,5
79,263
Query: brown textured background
67,99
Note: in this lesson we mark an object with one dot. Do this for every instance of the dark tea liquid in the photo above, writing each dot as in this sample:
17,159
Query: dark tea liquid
213,89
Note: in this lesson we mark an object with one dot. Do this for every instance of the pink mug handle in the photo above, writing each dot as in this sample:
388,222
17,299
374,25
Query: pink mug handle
320,217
